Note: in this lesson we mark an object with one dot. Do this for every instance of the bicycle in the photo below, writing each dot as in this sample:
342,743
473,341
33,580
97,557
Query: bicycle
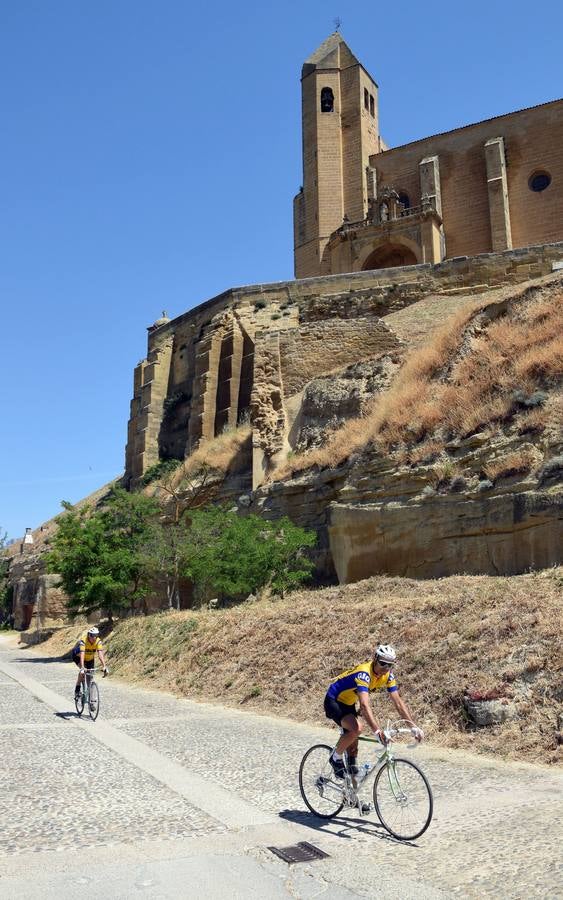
402,796
89,695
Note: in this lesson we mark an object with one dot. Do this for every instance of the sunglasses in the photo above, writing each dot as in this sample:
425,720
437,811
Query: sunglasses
383,665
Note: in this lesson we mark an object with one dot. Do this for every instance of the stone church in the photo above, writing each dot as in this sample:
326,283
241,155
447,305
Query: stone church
491,186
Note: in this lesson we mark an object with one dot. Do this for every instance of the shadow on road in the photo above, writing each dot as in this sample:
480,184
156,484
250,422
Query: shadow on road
67,715
346,826
44,659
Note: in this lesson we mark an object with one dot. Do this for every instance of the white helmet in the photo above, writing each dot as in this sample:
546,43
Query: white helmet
93,630
385,653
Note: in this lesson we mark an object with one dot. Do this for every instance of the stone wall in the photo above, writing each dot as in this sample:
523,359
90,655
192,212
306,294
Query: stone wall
38,600
532,139
323,346
374,517
202,372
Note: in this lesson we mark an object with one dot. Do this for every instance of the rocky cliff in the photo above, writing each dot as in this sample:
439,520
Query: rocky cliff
453,465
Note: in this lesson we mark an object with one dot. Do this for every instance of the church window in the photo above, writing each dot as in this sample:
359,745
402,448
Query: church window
539,181
327,100
366,98
371,105
404,199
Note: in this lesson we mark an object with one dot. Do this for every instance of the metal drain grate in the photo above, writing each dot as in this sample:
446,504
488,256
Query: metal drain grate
301,852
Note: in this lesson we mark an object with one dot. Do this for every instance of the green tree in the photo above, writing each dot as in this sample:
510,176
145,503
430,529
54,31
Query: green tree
100,554
238,555
5,587
164,554
179,490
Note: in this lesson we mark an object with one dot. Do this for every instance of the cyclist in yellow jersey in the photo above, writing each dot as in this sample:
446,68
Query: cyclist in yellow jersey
355,685
84,654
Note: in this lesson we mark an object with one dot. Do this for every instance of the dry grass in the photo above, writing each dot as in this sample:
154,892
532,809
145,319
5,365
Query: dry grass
516,463
221,455
222,452
342,444
463,380
444,472
470,389
532,422
424,453
455,635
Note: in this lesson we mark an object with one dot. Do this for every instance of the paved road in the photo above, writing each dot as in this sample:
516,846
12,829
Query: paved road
165,798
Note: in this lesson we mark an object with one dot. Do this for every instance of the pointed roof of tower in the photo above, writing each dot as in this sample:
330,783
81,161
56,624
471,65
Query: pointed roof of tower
334,53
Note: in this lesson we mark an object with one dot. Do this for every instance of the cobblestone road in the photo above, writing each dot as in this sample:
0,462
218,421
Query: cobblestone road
117,787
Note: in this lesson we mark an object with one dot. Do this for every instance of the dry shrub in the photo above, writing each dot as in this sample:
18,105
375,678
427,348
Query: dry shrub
341,444
465,388
444,472
466,415
516,463
426,452
533,422
219,454
542,361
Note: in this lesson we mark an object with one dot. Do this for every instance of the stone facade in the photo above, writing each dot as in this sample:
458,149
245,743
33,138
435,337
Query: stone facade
38,600
490,186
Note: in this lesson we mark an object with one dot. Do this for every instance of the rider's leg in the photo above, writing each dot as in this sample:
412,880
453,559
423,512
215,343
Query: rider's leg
80,678
349,740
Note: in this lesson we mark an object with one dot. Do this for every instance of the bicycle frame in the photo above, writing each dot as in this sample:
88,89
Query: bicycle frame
88,679
353,783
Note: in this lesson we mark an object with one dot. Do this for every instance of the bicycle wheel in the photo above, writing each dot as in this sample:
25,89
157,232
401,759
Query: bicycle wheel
319,788
79,702
94,701
403,799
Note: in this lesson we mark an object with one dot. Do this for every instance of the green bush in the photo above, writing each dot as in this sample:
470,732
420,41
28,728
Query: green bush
238,555
100,555
159,470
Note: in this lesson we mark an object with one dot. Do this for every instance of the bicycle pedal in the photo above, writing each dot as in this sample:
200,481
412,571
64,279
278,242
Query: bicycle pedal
365,808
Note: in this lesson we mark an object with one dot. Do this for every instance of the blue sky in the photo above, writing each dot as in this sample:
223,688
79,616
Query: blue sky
149,155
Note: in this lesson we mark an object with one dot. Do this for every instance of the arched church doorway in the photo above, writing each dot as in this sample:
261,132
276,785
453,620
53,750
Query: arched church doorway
388,256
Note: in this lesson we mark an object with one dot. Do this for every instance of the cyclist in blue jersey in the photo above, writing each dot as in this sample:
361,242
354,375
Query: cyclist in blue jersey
354,686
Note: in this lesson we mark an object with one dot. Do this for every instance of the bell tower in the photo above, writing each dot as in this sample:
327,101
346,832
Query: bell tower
340,133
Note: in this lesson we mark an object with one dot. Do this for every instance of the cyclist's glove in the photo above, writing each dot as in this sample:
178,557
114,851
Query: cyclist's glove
105,670
417,733
82,671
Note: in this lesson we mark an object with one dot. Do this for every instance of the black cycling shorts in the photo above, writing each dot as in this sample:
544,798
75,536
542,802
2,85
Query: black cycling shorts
88,663
336,711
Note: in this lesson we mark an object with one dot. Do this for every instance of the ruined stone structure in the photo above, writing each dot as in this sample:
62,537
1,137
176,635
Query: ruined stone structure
38,601
486,187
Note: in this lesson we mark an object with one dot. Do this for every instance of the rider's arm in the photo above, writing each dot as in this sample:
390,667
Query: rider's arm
365,708
102,656
81,656
405,713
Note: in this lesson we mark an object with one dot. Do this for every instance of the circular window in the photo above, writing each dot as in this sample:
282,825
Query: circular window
539,181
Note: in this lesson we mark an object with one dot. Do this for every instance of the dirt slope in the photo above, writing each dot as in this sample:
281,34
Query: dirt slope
458,634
